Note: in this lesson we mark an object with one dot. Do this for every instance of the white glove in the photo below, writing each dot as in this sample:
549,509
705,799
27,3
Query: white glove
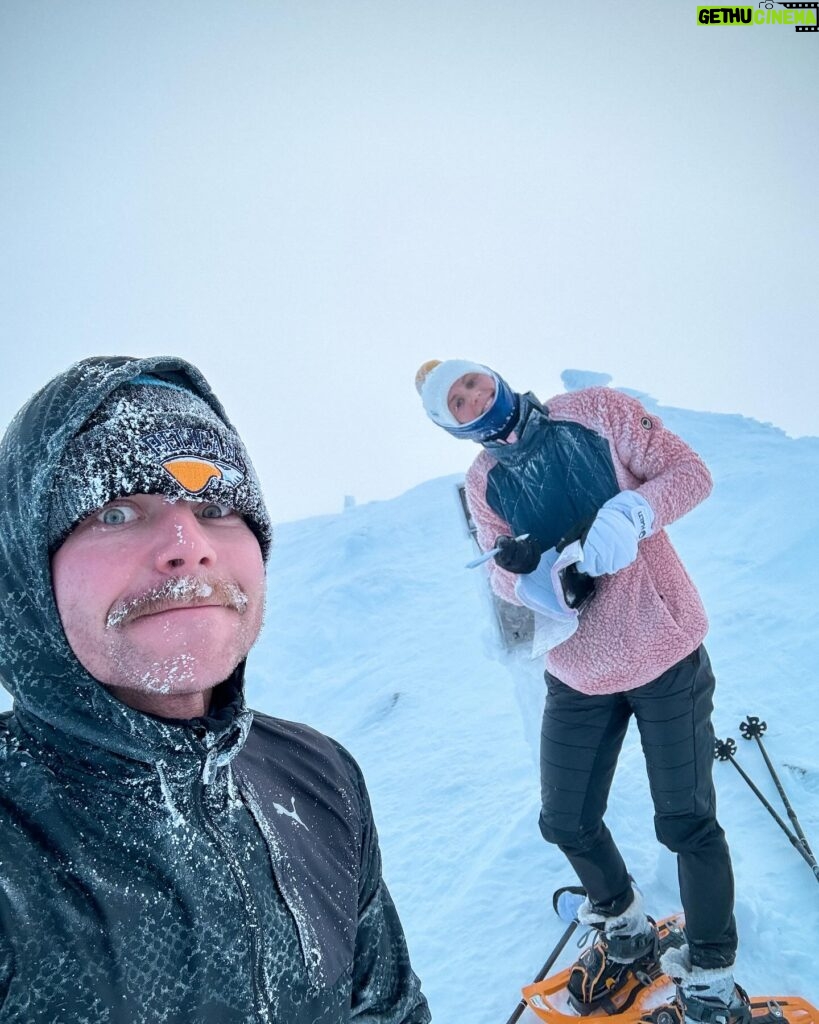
611,543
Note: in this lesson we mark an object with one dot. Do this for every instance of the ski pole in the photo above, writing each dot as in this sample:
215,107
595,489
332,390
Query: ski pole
490,553
752,729
544,970
724,751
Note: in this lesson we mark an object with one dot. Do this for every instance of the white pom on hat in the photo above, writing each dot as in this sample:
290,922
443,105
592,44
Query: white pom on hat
433,381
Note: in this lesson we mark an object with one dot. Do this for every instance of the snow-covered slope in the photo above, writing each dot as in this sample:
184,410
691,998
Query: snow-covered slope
377,634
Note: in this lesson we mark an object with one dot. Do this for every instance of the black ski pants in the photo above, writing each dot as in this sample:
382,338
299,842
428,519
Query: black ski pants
580,742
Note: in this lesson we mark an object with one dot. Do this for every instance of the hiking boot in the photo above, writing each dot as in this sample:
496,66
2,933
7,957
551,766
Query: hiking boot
693,1010
704,995
610,973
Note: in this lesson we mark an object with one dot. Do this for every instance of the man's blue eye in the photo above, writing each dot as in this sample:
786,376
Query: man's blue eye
114,516
215,511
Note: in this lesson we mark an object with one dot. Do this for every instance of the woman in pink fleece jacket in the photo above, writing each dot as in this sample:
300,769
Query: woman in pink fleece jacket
594,467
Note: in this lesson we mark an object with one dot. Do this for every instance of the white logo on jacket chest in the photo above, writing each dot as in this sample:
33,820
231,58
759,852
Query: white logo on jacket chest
292,813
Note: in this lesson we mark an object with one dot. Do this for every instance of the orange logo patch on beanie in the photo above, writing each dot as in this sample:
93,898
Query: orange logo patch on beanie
194,457
194,474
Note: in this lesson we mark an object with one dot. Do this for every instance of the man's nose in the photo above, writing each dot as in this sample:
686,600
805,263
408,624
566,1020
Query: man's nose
184,543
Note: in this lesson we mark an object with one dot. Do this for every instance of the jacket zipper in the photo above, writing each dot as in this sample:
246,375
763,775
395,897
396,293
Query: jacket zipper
260,1001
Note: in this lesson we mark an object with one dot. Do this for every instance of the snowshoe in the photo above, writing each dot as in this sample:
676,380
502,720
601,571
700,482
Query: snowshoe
609,974
601,990
657,1001
755,1010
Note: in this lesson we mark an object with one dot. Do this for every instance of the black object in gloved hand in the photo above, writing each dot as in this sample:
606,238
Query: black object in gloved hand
578,586
520,556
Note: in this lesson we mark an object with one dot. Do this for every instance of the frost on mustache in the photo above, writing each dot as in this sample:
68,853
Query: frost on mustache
181,591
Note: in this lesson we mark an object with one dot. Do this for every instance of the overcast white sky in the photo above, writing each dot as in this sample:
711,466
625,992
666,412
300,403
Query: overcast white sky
308,199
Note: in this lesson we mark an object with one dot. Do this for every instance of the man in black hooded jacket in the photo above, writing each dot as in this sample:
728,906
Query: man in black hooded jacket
166,855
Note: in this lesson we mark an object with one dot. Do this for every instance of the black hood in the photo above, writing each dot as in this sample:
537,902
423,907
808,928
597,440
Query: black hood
37,665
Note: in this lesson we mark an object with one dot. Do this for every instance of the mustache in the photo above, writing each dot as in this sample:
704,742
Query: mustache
179,592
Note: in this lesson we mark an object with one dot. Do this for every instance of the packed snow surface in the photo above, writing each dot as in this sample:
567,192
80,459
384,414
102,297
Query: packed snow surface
378,635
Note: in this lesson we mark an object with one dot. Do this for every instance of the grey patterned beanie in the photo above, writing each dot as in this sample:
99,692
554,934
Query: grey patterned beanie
154,437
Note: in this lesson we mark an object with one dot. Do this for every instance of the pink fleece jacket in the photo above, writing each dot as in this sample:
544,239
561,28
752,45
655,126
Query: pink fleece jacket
649,615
